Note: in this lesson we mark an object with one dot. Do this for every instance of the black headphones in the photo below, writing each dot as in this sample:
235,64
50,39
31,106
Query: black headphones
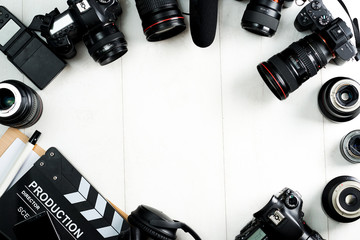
147,222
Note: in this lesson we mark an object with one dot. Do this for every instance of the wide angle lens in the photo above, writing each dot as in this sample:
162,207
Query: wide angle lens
160,19
20,106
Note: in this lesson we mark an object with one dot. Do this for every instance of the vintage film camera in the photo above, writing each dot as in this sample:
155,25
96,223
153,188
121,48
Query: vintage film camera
92,21
285,72
280,219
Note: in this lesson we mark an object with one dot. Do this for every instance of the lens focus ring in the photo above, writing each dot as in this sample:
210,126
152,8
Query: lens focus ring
300,51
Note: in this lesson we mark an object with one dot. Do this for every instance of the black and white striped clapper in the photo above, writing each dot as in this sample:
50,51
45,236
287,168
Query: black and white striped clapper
83,208
98,209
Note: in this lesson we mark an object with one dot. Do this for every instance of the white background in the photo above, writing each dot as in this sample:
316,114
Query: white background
194,132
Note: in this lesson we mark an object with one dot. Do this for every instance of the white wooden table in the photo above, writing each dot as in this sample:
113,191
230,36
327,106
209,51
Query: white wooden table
194,132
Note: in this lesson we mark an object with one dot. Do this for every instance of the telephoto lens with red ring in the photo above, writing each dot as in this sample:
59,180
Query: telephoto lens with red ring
20,105
288,70
161,19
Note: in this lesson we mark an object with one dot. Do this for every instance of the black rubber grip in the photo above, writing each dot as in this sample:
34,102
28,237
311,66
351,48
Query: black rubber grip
262,19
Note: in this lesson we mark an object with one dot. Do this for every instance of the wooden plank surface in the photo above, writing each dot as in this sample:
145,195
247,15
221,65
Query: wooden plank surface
194,132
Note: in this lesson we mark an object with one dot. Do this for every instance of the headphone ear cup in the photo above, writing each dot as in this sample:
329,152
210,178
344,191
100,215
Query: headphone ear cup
142,217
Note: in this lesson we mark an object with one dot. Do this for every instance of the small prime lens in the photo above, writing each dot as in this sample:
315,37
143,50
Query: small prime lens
161,19
262,17
338,99
106,43
341,199
350,146
285,72
20,106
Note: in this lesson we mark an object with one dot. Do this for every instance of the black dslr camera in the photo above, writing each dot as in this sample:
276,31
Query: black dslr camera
280,219
92,21
285,72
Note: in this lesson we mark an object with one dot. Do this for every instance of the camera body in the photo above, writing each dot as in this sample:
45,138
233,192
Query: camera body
280,219
262,17
335,33
92,21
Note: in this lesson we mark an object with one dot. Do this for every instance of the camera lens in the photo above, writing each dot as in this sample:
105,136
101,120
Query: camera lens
286,71
160,19
341,199
339,99
350,146
20,106
262,17
105,43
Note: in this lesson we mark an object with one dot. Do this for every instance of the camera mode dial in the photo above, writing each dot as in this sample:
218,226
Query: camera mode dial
324,20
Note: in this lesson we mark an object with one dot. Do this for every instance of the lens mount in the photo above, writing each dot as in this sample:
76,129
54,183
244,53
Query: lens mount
350,146
341,199
338,99
105,43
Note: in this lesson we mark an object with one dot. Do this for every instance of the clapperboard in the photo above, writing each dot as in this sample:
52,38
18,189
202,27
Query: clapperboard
76,209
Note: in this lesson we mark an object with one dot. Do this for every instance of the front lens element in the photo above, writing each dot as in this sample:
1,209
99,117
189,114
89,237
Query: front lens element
7,99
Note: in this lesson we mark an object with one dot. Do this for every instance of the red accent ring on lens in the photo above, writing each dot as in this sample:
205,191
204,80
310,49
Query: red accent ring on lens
275,80
165,20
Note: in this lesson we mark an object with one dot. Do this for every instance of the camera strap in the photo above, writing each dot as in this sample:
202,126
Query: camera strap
355,26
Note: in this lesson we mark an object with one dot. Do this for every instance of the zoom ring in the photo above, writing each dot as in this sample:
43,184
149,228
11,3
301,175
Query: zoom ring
146,6
304,58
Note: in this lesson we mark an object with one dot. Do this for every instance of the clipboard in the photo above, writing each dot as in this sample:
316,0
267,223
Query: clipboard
9,137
